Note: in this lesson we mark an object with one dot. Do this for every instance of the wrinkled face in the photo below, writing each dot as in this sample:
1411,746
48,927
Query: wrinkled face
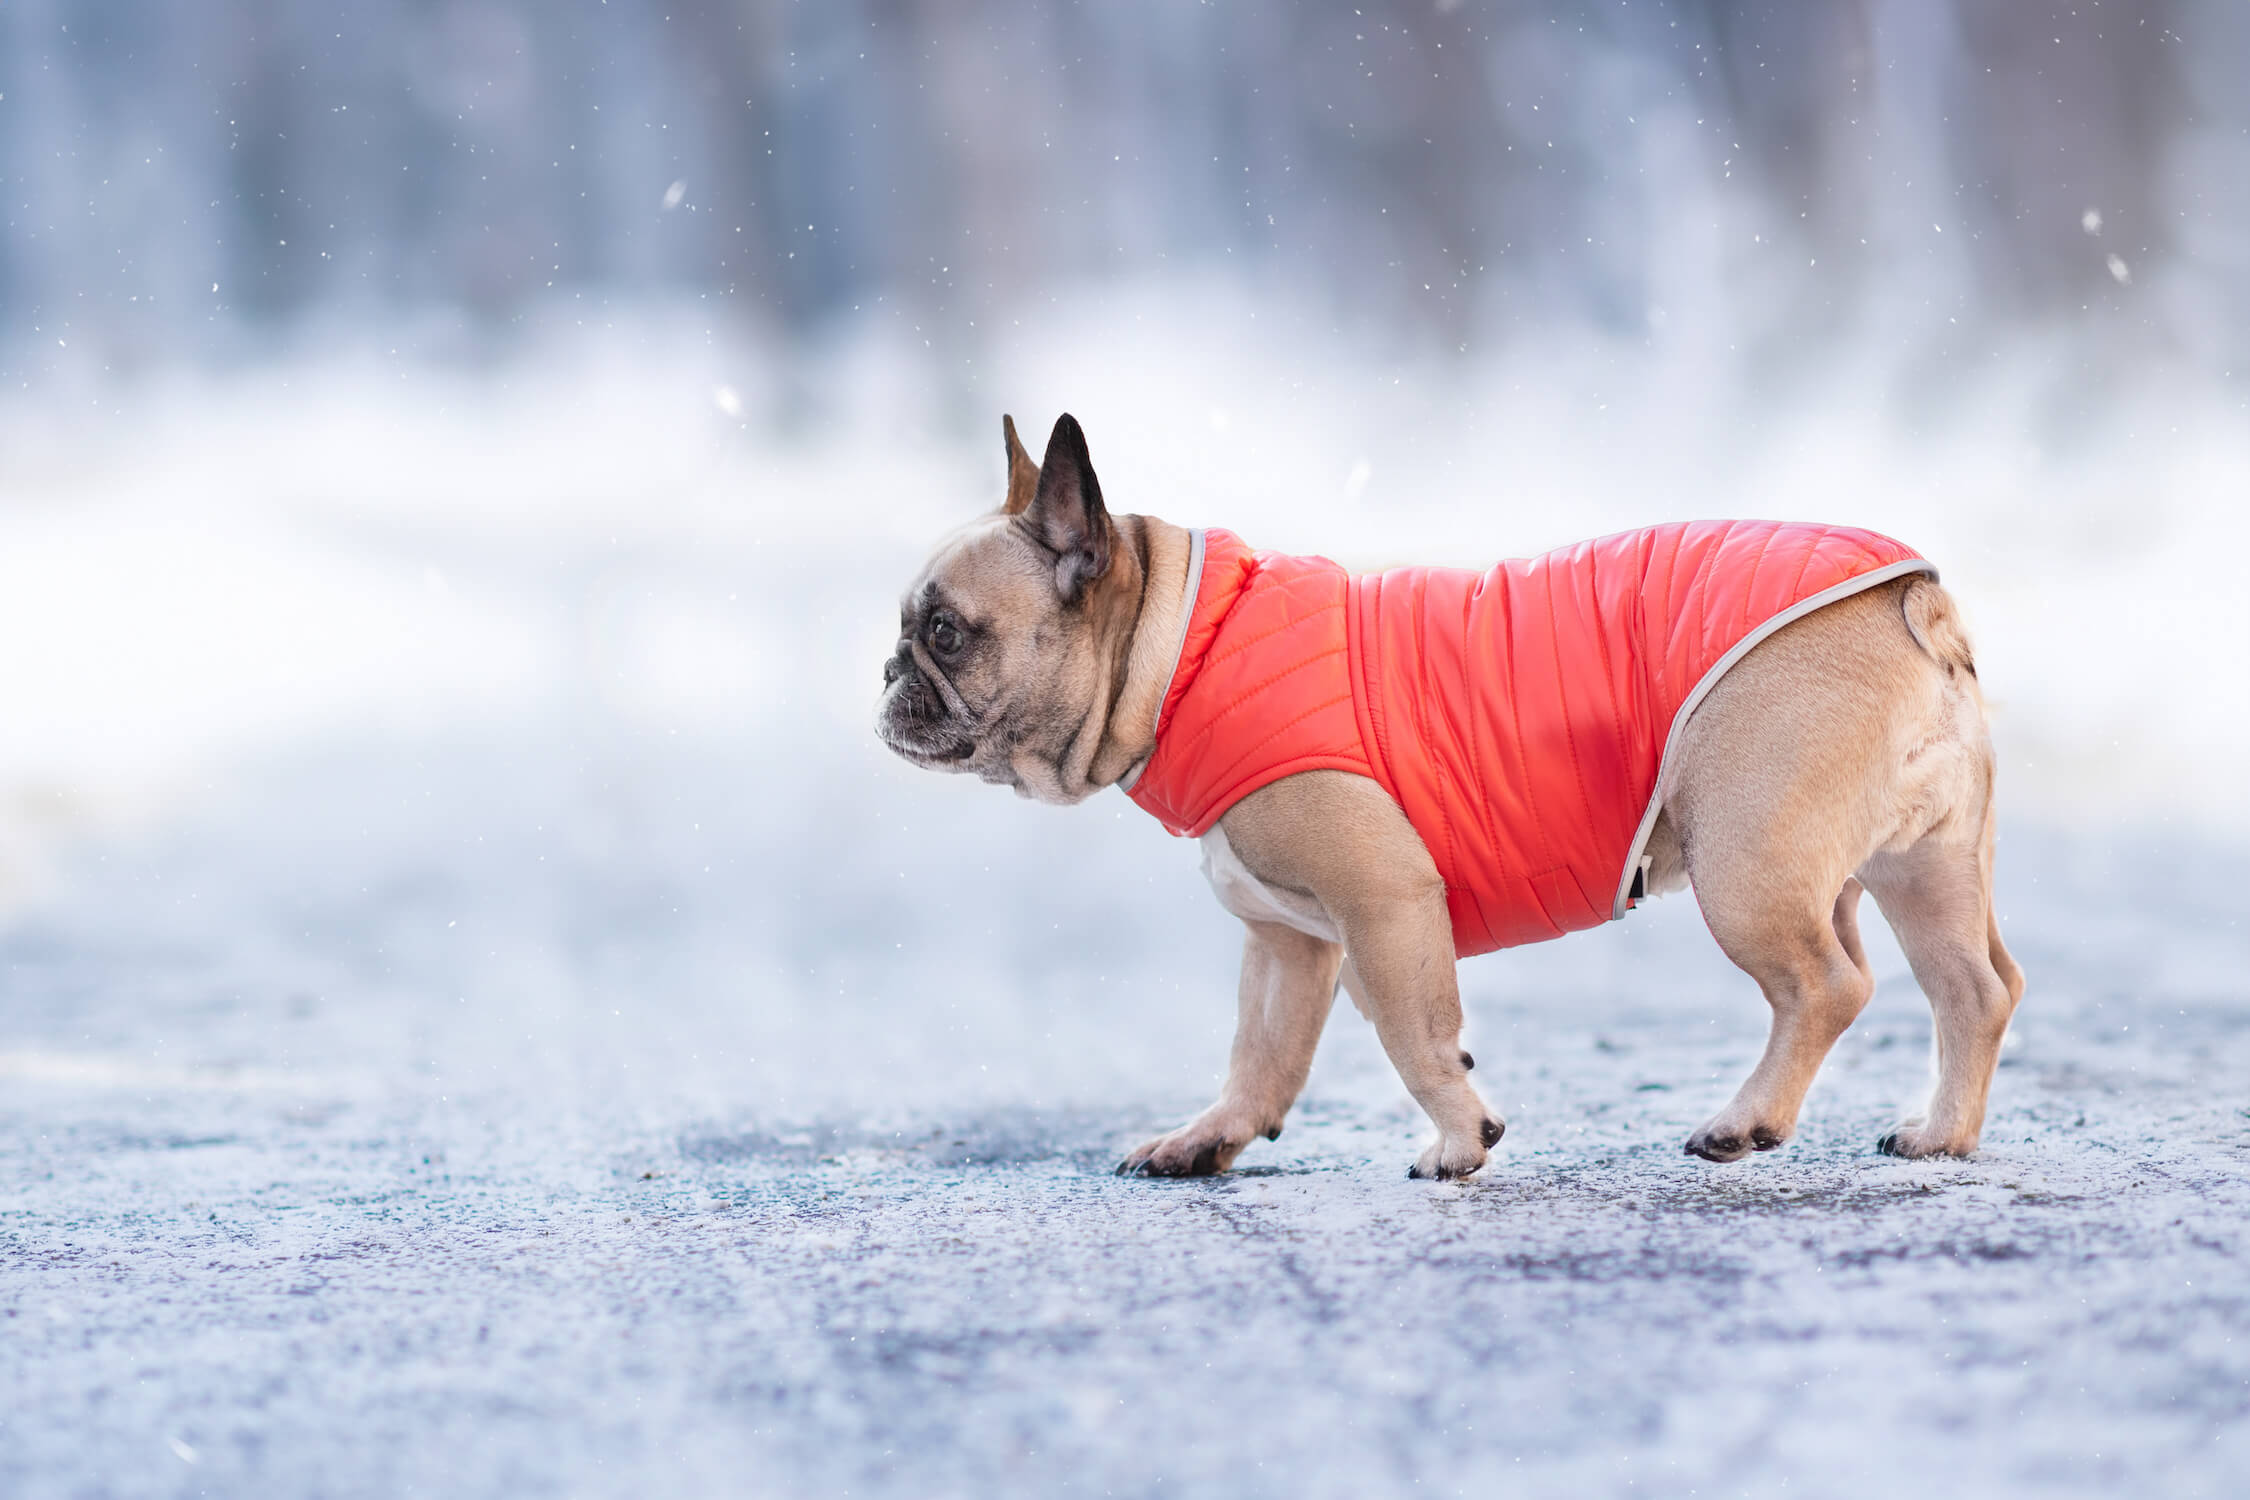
997,663
980,644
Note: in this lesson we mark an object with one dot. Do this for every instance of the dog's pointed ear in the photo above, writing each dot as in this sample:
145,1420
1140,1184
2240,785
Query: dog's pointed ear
1023,474
1066,515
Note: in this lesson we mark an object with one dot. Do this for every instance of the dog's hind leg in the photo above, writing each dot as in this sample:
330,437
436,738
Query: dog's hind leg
1804,953
1785,782
1937,896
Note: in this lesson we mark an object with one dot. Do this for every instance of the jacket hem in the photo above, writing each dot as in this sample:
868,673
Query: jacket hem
1225,801
1803,607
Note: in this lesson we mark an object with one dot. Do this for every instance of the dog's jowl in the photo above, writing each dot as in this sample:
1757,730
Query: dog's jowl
1390,771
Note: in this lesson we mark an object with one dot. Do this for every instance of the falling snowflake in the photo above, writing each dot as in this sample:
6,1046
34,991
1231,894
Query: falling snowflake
727,399
2120,270
2091,221
673,195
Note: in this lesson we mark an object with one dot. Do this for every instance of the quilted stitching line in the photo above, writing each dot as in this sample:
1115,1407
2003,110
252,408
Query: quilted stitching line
1289,590
1609,668
1570,738
1282,728
1699,590
1652,659
1361,649
1371,645
1355,646
1470,696
1422,713
1470,797
1515,681
1874,556
1515,742
1750,589
1242,702
1797,584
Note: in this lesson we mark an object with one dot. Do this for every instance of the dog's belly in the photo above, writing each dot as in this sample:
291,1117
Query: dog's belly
1252,899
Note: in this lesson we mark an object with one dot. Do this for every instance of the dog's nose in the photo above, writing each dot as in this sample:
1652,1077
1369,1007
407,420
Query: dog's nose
895,668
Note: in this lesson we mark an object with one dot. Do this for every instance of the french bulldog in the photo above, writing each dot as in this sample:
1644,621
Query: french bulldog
1843,749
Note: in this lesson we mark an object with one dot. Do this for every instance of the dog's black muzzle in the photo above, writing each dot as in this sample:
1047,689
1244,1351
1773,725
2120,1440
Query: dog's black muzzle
914,720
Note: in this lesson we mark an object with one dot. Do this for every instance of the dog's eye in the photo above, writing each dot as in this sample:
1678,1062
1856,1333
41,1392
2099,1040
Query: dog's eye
945,636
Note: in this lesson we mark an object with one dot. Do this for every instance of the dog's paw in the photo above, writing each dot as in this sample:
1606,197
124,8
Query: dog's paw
1452,1156
1913,1138
1726,1139
1200,1148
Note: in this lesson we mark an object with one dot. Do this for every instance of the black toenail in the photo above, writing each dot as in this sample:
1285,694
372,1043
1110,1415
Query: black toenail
1467,1062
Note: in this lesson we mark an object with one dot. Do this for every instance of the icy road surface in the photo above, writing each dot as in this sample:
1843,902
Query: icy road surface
443,1127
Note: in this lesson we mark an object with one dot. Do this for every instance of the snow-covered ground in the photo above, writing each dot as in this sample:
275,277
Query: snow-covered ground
480,1014
368,1139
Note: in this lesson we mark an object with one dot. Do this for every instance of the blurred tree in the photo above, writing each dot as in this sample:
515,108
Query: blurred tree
1451,172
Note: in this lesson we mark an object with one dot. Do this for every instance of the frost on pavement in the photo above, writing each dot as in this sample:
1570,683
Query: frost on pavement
481,1014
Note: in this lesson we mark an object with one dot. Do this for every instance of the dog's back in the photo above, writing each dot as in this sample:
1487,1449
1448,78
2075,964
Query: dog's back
1520,716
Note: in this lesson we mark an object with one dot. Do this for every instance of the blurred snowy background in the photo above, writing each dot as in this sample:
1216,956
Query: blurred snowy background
379,378
457,459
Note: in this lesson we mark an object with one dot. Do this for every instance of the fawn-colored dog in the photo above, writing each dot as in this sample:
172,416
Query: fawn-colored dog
1842,748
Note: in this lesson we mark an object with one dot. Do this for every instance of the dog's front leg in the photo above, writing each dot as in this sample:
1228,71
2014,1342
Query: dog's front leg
1401,945
1288,985
1340,842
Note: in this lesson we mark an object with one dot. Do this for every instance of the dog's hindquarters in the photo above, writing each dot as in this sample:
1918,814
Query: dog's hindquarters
1849,748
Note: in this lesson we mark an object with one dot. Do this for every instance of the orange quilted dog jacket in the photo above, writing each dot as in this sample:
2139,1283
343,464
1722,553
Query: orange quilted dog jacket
1519,716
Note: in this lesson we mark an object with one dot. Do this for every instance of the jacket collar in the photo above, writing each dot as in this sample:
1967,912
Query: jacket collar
1187,618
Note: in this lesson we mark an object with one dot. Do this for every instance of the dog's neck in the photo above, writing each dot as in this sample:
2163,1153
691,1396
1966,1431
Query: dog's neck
1146,618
